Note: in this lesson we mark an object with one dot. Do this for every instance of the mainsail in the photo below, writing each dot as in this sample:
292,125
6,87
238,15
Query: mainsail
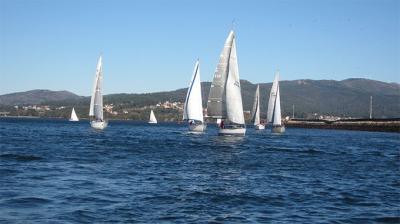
277,121
216,104
256,107
234,106
272,99
193,108
274,104
225,100
96,102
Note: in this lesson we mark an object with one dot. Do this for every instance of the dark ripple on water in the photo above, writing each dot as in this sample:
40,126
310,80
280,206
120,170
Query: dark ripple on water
57,171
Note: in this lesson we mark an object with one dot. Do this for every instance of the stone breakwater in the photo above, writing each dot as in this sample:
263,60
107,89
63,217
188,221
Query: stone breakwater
385,125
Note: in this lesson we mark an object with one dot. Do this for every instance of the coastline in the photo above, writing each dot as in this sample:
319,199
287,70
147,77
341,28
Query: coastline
380,125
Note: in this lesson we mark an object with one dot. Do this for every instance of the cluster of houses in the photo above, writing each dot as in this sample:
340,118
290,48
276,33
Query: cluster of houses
40,108
109,108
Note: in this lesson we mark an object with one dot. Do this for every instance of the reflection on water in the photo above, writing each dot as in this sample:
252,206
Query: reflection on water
228,140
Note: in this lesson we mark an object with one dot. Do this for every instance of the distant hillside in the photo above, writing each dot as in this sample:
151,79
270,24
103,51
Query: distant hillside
36,97
348,97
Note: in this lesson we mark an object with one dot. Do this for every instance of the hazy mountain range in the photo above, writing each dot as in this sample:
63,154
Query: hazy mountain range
36,97
350,97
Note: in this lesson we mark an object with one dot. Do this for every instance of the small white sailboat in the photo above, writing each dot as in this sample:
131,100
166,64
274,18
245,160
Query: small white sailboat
152,119
193,108
218,122
274,107
74,117
256,111
225,99
96,101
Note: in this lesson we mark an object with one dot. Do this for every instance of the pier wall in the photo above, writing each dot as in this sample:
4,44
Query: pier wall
385,125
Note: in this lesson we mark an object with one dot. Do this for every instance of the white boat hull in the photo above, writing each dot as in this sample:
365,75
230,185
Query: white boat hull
259,127
197,127
232,131
73,120
152,122
278,129
100,125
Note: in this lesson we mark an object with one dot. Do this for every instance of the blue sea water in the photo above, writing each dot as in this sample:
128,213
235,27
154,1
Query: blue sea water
55,171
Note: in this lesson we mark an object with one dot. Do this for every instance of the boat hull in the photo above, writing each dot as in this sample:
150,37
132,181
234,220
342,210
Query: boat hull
99,125
259,127
73,120
197,127
152,122
232,131
278,129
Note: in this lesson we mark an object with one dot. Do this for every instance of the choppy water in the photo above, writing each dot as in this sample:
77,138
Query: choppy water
57,171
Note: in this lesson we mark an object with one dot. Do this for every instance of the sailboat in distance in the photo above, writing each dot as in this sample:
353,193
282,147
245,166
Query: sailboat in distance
193,108
256,111
74,117
274,107
225,99
96,101
152,119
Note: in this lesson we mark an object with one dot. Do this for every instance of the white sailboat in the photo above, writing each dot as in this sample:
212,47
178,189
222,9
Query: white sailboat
274,107
152,119
225,100
193,108
96,102
256,111
218,122
74,117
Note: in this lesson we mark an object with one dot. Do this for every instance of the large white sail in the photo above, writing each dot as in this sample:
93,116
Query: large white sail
216,103
193,108
96,102
256,107
234,106
277,121
272,98
74,117
152,118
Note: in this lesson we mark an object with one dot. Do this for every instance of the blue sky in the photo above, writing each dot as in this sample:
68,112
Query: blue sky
152,45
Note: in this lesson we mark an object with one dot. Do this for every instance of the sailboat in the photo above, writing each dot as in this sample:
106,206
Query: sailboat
193,108
74,117
152,119
96,101
256,111
274,107
225,100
